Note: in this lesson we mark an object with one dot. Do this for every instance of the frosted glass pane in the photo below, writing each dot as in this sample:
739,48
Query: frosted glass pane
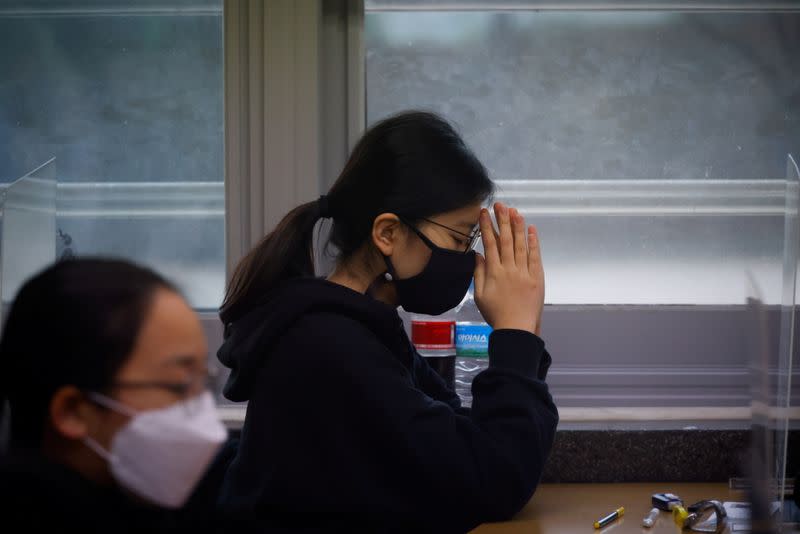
114,96
641,95
648,146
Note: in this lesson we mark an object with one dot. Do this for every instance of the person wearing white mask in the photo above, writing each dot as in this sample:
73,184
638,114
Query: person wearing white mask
111,425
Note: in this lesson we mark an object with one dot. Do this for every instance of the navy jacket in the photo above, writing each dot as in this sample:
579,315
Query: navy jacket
347,427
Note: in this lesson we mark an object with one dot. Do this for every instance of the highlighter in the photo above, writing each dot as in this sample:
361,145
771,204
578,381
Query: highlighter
613,516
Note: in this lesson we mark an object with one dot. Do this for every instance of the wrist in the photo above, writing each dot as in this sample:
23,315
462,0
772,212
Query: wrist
515,325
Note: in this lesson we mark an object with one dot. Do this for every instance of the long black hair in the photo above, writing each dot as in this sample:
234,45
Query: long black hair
413,164
75,323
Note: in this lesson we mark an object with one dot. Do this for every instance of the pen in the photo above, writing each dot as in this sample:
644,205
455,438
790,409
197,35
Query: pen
616,514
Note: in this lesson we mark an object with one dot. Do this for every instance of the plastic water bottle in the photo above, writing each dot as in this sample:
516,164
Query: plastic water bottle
472,345
434,339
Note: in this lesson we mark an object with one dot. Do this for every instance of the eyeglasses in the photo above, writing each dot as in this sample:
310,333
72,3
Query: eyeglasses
196,384
470,238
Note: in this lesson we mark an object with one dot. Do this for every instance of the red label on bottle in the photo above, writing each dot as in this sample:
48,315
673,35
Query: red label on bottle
433,335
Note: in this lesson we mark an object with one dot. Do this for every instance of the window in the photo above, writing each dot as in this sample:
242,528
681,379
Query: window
648,146
127,96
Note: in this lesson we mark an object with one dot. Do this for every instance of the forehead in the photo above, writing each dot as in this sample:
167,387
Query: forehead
170,337
462,219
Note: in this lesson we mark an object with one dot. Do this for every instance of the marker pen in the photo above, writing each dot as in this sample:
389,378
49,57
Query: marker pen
613,516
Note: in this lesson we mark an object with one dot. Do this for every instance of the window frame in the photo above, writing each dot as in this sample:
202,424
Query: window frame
605,377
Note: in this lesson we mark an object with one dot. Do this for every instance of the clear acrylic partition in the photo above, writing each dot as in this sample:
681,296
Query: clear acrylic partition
787,343
28,240
773,347
176,228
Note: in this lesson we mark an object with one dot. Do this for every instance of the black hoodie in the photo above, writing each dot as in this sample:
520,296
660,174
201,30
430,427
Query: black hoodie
40,495
348,428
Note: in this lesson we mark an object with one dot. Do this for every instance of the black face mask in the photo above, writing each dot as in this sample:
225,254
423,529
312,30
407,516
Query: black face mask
441,285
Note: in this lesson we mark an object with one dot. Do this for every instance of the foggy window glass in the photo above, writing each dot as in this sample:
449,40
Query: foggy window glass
649,147
127,96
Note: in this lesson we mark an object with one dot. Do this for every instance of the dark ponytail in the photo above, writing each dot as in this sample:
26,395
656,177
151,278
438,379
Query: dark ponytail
284,253
412,164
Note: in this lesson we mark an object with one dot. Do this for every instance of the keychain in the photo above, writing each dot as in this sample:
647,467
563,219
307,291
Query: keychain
697,515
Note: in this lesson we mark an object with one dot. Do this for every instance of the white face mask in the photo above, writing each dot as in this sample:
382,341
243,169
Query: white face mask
160,455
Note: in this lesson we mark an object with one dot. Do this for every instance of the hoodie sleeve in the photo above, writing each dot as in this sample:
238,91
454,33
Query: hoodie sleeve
520,351
434,465
506,345
434,385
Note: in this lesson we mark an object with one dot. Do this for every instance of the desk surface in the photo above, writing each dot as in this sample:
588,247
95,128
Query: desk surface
573,508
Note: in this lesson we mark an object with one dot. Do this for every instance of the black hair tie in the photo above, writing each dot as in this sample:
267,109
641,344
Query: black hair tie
324,207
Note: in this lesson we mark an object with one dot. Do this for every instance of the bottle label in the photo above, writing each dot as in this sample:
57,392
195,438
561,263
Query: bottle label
432,335
472,340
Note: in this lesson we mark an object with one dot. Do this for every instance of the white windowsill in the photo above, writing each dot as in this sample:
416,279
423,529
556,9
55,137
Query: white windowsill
644,418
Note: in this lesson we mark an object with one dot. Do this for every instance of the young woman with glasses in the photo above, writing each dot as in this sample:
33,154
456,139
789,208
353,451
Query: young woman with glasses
347,427
104,367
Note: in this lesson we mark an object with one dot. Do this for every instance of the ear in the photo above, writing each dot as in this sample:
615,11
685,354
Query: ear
386,230
70,413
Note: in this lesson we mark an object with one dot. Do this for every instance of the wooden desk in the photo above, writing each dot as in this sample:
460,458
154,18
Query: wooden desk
573,508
